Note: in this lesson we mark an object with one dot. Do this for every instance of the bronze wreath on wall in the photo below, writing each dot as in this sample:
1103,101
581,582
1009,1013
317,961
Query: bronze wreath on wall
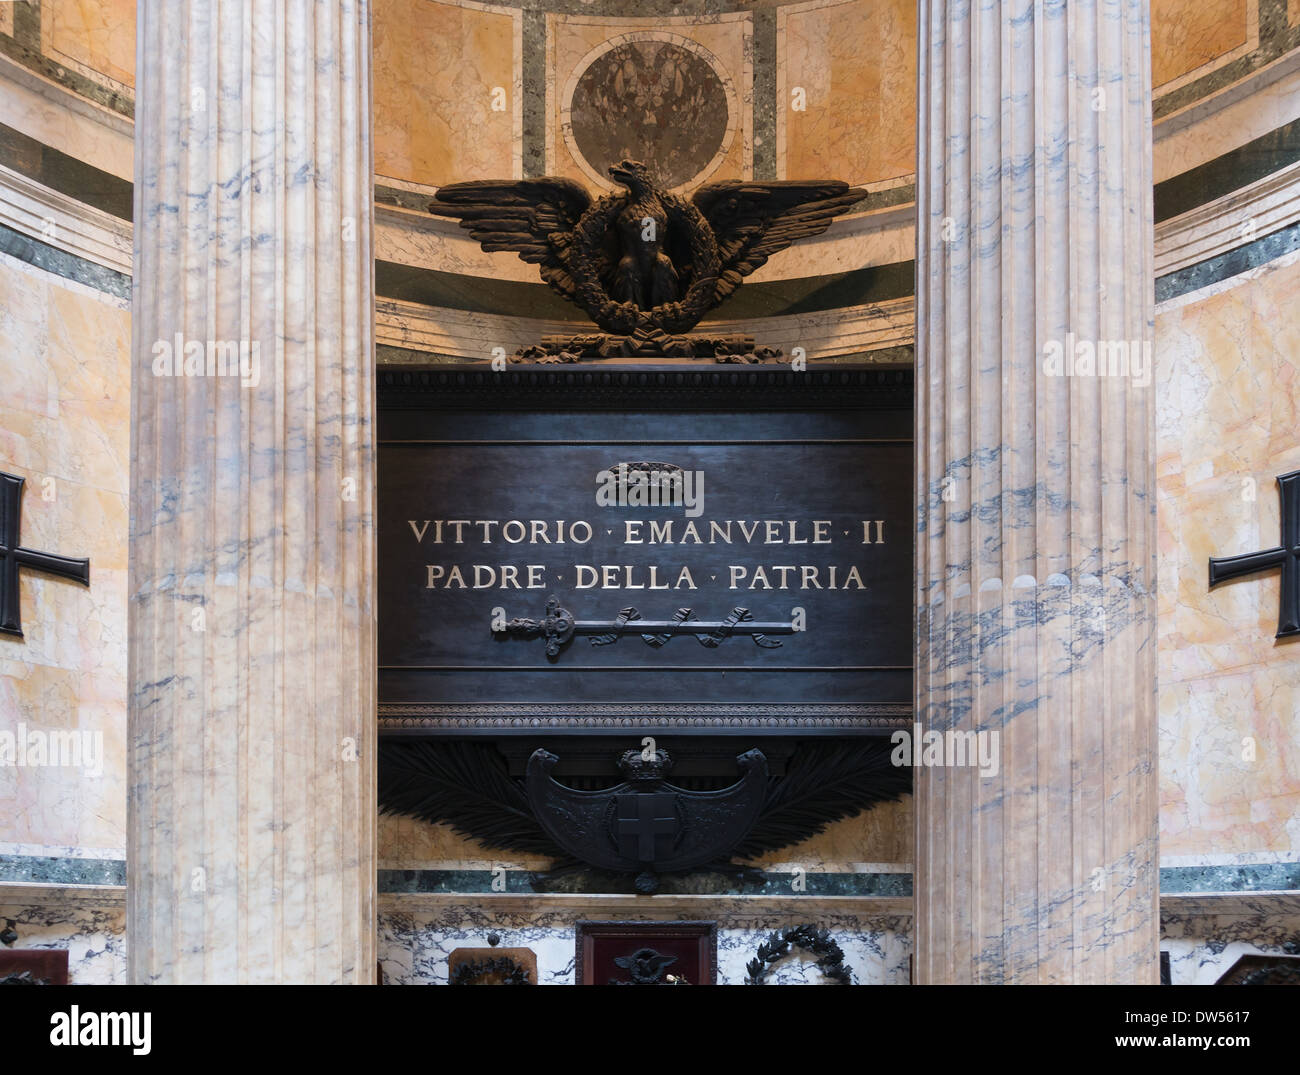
779,944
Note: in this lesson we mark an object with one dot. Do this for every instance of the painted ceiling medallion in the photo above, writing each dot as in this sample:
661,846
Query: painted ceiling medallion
655,101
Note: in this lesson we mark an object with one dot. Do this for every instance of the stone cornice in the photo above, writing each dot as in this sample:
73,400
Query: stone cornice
470,335
1226,223
64,222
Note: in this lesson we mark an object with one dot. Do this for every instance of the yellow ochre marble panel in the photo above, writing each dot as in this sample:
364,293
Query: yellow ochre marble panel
446,92
858,116
1185,34
64,426
409,844
94,36
1227,383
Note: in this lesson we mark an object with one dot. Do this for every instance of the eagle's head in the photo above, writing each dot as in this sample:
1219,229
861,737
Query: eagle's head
632,174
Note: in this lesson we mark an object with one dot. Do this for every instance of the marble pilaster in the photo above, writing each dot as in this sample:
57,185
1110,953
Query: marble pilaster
1036,531
251,829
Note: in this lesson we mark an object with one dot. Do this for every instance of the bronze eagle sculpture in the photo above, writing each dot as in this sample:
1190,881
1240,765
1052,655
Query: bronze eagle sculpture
643,263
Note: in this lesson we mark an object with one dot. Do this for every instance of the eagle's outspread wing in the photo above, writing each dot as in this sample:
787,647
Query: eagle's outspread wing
753,221
532,217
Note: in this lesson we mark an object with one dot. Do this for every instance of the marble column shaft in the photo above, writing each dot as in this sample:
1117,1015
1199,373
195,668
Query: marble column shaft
252,803
1036,539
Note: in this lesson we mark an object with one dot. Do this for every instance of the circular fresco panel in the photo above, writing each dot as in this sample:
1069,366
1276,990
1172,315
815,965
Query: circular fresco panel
654,101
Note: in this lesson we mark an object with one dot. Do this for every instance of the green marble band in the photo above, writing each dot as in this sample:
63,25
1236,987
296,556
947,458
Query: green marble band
1254,877
765,104
764,884
1229,264
61,870
61,263
533,80
1174,880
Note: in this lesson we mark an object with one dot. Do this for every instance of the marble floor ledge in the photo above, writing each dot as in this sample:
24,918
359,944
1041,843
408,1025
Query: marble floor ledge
626,906
705,905
1230,903
14,893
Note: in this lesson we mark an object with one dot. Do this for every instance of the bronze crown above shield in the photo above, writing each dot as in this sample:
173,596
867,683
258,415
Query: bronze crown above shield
645,265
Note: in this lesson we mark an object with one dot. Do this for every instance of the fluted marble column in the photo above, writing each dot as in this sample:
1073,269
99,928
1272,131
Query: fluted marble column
1036,541
251,846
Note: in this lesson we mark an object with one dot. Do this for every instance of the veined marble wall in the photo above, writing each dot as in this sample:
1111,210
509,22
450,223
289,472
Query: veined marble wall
1202,948
1228,383
64,426
93,932
414,945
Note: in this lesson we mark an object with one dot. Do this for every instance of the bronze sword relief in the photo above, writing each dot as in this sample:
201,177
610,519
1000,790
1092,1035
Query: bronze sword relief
559,626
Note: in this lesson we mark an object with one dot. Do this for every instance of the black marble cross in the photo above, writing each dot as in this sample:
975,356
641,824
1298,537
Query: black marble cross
642,819
1286,556
13,556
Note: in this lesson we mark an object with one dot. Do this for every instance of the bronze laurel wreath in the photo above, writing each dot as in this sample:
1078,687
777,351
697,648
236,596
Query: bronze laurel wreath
810,939
625,317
